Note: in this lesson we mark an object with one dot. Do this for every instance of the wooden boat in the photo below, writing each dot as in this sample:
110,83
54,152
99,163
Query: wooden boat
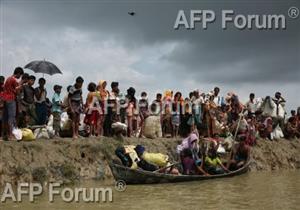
138,176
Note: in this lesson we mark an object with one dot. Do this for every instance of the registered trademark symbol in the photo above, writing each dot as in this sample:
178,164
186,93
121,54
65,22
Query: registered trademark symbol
120,185
293,12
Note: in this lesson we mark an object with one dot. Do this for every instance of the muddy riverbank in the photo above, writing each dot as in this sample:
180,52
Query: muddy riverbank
67,161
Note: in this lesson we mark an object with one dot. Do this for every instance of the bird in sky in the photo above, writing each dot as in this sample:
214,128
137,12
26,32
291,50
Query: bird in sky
131,13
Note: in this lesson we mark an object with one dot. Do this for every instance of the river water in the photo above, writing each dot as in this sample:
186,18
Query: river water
256,190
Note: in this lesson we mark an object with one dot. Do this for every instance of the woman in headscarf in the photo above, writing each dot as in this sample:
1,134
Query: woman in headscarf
103,96
102,89
210,109
93,110
177,111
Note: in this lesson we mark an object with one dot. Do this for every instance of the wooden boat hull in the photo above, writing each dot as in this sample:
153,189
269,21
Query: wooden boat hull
132,176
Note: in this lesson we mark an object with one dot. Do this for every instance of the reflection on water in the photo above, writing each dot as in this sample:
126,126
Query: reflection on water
274,190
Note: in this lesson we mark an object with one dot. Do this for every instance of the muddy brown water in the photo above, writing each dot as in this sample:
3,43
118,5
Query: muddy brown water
256,190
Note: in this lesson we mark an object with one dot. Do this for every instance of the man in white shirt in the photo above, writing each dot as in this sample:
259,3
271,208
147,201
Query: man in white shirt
279,111
251,105
217,98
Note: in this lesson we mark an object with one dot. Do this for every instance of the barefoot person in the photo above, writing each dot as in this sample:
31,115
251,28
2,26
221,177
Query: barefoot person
92,109
101,89
75,101
56,108
213,163
143,112
28,108
9,94
240,155
2,80
40,102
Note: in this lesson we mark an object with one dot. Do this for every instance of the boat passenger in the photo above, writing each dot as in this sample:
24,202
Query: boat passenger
191,166
240,155
128,156
159,160
213,164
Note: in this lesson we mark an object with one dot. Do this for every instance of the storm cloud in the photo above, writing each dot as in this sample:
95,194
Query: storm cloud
99,40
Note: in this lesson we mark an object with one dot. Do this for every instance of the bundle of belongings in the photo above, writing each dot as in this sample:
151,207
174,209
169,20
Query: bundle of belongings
152,127
23,134
119,128
136,157
34,132
31,133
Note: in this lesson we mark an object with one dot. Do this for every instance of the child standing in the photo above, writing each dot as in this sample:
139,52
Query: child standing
75,102
143,112
131,101
56,109
92,109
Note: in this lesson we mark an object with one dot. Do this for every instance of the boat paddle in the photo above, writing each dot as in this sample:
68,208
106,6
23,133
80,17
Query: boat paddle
164,168
235,135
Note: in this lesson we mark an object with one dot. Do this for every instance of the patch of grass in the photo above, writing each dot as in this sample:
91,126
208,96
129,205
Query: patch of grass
19,171
69,172
39,174
33,146
95,148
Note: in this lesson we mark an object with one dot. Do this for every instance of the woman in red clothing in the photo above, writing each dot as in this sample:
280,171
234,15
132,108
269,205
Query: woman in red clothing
93,109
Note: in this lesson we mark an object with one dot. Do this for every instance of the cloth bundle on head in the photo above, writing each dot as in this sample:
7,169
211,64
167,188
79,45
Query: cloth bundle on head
211,93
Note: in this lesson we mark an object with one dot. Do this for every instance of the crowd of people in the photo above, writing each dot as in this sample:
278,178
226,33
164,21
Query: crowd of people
107,112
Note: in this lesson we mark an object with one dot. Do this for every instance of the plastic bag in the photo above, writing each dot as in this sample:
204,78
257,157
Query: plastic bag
119,127
64,118
277,133
152,127
17,133
27,134
41,133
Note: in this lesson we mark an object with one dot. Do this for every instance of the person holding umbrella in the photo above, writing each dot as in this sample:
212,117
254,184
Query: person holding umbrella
44,67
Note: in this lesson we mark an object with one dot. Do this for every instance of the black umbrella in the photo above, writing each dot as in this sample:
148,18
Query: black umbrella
44,67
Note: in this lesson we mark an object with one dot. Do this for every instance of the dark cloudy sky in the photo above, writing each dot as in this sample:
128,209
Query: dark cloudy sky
99,40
